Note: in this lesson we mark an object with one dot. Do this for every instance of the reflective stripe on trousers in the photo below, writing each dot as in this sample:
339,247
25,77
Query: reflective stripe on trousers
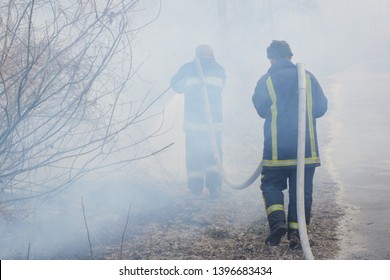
273,182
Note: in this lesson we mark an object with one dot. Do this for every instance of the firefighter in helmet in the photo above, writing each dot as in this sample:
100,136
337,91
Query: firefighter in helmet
202,120
276,100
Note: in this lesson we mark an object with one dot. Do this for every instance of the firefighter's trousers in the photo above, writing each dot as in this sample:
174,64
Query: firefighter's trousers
202,167
273,182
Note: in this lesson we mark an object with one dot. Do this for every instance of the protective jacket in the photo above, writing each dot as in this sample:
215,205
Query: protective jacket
276,100
186,81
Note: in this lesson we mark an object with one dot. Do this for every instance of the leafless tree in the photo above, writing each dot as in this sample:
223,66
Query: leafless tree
66,104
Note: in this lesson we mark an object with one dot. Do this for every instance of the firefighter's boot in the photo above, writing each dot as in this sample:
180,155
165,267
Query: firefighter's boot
276,234
277,222
294,239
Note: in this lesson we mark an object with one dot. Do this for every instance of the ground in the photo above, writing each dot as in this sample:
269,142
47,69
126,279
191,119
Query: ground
231,228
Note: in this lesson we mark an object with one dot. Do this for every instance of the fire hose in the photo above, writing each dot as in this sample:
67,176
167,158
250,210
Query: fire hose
217,157
301,162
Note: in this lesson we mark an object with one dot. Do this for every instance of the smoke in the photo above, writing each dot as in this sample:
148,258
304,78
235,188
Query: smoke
328,36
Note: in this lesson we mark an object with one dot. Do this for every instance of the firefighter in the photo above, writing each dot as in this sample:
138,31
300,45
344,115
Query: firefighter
276,100
200,123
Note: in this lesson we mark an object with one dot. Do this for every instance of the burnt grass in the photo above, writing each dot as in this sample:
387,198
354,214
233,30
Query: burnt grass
231,228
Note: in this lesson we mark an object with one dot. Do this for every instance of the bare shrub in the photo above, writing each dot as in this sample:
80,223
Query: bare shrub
66,107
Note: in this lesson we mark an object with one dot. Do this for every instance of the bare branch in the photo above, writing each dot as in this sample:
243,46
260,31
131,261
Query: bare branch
66,108
86,227
124,232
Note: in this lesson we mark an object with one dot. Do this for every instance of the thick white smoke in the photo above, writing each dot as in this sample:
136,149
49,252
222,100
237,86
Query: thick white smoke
328,36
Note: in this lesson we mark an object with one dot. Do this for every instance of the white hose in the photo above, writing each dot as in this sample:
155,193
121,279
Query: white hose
301,163
217,157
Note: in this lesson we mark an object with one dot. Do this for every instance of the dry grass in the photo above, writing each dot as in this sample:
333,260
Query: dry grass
228,229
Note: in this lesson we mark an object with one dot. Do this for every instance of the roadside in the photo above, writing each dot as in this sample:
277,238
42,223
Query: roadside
360,157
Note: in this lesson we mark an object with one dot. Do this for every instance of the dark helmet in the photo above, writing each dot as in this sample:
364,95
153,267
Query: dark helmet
279,49
204,51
